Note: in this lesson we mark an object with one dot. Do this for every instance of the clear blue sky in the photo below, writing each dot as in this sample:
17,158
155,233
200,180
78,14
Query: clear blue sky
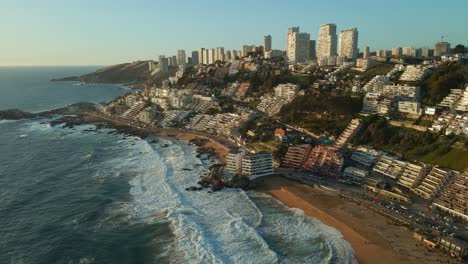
103,32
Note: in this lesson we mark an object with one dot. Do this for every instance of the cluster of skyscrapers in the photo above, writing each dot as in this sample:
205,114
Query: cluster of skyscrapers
300,48
325,51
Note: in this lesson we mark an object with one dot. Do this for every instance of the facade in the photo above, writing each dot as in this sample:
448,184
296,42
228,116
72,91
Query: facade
349,44
234,162
267,42
410,107
312,52
365,156
163,64
296,156
402,91
454,199
324,160
201,56
442,48
389,166
366,53
397,52
434,182
258,164
462,104
195,57
181,58
355,175
219,54
287,90
412,174
414,73
327,41
211,56
298,49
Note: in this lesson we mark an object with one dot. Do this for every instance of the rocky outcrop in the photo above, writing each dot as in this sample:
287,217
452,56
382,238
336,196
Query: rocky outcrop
73,109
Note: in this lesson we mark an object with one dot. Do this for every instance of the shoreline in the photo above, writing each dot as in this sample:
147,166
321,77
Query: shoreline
373,238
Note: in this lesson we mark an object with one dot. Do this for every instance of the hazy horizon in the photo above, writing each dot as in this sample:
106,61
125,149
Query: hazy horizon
66,33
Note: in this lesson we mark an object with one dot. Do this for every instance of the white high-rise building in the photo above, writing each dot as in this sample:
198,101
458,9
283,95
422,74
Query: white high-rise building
291,30
201,56
349,44
366,53
181,59
211,56
298,46
267,42
326,46
163,64
397,51
219,54
206,59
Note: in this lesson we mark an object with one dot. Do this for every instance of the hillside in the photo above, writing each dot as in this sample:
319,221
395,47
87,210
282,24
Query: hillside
134,73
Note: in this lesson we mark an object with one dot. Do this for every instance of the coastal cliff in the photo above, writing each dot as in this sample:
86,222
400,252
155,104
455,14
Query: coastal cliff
134,74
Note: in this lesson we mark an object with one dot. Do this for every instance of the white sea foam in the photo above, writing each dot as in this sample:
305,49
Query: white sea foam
223,227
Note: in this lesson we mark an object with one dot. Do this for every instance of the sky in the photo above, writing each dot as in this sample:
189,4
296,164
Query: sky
106,32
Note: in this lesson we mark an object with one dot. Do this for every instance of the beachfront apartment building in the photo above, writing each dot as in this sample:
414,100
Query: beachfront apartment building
324,160
355,175
454,199
434,182
258,164
389,166
365,156
251,165
296,156
234,162
412,174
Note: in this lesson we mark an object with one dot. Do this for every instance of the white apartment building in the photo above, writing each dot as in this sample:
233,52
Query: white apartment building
366,156
376,84
397,51
452,98
211,56
234,162
401,91
389,166
434,182
258,164
181,58
298,49
287,90
327,41
410,107
412,174
219,54
349,44
355,175
463,102
201,56
414,73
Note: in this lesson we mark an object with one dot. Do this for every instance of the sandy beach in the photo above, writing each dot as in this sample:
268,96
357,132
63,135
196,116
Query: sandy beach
373,239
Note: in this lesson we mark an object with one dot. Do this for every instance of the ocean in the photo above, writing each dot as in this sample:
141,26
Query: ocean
82,195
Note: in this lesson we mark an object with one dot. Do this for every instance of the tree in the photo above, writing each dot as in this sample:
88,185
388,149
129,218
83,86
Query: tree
459,49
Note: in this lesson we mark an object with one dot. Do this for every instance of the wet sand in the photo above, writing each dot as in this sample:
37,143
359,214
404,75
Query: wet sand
373,238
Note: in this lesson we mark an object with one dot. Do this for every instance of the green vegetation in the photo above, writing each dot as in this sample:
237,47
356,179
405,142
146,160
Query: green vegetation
379,69
413,145
321,113
459,49
447,76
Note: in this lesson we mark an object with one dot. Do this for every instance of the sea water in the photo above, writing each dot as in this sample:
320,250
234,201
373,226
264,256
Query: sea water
81,195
